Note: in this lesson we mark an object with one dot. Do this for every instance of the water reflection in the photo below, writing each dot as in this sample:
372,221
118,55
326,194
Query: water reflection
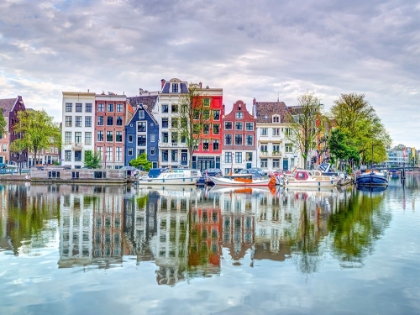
184,230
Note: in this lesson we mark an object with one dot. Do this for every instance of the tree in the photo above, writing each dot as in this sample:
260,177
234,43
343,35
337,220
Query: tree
340,149
37,130
92,160
303,124
192,115
142,161
2,123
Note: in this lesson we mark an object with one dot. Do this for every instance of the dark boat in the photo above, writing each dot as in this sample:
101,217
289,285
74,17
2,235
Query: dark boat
372,178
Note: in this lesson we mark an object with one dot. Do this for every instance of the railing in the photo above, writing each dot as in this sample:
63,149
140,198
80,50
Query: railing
172,145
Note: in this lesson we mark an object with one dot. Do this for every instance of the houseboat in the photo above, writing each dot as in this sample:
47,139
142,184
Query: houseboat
167,176
309,178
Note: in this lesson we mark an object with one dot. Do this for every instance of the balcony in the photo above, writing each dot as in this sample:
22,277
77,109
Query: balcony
77,145
270,154
172,145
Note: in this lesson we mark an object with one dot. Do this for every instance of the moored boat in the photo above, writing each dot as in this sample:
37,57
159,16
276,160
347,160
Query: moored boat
166,176
372,178
243,180
309,178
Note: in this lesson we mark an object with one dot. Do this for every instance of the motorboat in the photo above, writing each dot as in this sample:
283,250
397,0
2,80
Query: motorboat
372,178
167,176
309,178
243,180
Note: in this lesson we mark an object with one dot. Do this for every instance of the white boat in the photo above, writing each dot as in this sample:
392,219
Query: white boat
166,176
309,178
243,180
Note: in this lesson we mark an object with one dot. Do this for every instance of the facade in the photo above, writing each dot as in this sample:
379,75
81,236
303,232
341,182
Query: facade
78,129
275,151
173,151
210,149
111,114
11,108
142,131
239,134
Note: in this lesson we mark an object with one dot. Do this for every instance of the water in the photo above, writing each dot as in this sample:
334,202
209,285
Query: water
117,250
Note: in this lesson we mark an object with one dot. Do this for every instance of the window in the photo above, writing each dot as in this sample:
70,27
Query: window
77,137
288,148
248,156
68,121
152,151
174,123
119,121
69,107
77,156
206,102
238,139
276,163
109,136
174,87
263,163
205,145
88,121
287,131
100,121
276,131
119,108
276,119
100,136
174,155
228,125
141,126
228,139
238,126
109,154
152,137
118,136
88,107
264,148
165,155
206,114
238,157
118,153
78,121
165,123
249,140
141,140
130,151
79,107
67,137
228,157
206,129
100,152
165,108
67,155
239,115
130,138
216,115
174,108
215,145
110,121
264,131
88,138
216,129
249,126
110,107
165,137
276,147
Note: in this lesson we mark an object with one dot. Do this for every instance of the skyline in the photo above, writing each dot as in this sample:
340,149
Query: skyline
268,50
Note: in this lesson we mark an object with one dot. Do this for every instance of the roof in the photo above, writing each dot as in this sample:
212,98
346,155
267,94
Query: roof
265,111
148,101
7,105
183,89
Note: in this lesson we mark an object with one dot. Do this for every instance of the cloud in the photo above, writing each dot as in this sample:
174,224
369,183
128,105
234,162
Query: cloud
264,49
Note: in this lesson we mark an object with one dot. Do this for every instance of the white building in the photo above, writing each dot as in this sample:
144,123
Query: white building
78,127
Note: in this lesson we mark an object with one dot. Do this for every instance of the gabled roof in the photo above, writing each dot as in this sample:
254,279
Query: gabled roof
265,111
7,105
148,100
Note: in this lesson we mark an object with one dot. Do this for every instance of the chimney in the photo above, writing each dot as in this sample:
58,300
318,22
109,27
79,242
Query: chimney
200,85
162,83
254,102
140,91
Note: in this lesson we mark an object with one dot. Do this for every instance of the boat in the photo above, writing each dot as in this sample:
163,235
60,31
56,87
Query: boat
242,180
372,178
167,176
309,178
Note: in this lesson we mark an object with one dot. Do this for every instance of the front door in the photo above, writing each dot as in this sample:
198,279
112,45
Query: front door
285,164
184,158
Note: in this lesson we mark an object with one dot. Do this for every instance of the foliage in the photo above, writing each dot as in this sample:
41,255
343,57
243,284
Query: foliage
37,130
3,123
361,126
192,115
340,148
303,124
141,161
92,160
142,201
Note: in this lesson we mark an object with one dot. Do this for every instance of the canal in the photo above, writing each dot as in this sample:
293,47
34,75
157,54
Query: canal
74,249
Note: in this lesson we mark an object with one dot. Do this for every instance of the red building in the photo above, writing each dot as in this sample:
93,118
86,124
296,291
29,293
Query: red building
239,139
207,155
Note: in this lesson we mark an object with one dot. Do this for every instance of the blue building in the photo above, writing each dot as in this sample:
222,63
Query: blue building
142,131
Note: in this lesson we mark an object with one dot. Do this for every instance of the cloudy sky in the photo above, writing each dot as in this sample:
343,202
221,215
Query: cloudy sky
266,49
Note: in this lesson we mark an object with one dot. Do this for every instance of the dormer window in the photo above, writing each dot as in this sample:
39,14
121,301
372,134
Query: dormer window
276,118
174,87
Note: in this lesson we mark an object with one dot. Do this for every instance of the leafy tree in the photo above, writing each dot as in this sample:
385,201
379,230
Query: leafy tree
38,131
339,147
92,160
2,123
192,115
303,124
141,161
